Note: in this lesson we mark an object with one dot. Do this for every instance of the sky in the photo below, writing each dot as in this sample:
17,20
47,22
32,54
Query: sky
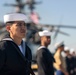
52,12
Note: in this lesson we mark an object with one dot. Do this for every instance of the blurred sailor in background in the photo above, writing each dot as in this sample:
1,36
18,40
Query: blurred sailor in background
60,64
73,53
44,57
69,61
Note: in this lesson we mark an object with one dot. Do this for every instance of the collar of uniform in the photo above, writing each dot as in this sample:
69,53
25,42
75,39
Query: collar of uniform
41,47
21,45
9,39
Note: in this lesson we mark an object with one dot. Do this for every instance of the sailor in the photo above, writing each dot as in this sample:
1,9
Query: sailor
60,64
15,55
73,53
44,56
69,61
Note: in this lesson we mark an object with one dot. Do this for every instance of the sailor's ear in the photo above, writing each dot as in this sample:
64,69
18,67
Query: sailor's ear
8,27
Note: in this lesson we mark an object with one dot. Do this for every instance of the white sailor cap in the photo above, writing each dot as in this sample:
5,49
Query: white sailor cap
45,33
59,44
66,48
14,17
